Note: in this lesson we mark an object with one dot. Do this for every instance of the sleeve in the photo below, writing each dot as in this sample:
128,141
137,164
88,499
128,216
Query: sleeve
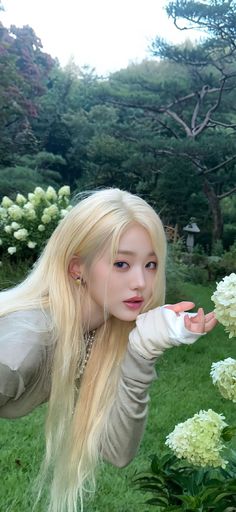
155,331
129,412
23,336
11,384
159,329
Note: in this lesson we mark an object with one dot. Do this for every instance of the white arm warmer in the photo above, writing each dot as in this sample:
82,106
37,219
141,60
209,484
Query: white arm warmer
158,329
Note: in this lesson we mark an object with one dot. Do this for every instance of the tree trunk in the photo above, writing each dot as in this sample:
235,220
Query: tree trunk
214,203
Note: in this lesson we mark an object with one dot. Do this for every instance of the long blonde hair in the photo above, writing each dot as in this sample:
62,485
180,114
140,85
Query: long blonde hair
77,419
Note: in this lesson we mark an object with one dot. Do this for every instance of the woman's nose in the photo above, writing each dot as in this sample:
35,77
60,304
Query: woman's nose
138,279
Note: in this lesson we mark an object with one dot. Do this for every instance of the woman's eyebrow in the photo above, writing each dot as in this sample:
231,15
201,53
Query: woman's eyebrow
131,253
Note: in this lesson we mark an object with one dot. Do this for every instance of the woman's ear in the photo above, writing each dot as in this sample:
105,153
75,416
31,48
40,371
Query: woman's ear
74,267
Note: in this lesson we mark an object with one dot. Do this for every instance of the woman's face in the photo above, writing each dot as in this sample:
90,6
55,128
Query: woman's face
124,286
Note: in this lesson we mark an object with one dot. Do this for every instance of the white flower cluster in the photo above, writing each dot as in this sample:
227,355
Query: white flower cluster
30,221
223,375
198,439
225,303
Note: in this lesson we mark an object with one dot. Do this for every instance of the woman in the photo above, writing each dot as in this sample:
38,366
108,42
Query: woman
83,332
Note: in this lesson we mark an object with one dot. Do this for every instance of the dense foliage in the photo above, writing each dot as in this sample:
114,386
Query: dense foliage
163,129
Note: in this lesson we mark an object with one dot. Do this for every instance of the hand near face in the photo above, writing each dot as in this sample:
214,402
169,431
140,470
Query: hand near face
199,323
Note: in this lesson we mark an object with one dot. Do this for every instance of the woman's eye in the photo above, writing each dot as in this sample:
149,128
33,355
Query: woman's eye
121,264
152,265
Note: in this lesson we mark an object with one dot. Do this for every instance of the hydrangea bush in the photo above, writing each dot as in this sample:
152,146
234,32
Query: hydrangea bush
28,222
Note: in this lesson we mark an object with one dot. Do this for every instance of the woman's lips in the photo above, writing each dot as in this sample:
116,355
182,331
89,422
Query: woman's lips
133,304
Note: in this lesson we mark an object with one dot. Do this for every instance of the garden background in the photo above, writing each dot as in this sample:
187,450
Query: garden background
164,129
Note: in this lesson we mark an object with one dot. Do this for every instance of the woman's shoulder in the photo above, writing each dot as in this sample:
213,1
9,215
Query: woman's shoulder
24,334
27,317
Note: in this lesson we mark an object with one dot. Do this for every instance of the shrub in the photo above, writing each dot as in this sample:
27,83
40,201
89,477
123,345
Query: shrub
27,223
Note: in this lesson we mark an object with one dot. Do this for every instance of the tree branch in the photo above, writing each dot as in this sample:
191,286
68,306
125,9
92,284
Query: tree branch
168,128
218,123
179,121
205,122
188,97
197,107
219,166
175,153
229,193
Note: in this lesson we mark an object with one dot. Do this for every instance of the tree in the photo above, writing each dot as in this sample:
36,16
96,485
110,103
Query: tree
62,126
188,100
24,72
212,65
216,17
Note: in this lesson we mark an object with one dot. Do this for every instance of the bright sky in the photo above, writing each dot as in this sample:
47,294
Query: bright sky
104,34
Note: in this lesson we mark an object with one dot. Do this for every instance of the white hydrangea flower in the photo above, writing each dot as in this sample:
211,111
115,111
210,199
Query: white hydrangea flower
31,197
41,227
6,202
29,211
31,244
28,206
51,194
15,225
3,212
35,199
15,212
223,375
11,250
63,212
30,214
46,218
225,303
21,234
38,191
51,210
64,191
20,199
8,229
198,439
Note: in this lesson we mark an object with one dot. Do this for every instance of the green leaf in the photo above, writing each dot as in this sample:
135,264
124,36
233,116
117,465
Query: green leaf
228,433
155,464
222,495
159,500
191,502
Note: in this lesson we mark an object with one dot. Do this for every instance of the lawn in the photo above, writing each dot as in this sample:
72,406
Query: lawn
183,387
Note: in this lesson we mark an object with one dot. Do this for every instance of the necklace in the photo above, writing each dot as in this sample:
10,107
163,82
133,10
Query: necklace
89,340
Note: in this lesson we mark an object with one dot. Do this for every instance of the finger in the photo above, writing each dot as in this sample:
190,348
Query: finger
180,307
209,316
199,317
197,323
187,322
210,324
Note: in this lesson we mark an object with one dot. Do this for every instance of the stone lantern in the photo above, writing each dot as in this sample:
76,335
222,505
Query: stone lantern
191,228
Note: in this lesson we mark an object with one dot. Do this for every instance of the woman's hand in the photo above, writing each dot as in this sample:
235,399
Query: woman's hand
169,326
198,322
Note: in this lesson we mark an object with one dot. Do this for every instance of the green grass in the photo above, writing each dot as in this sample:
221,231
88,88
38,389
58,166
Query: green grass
182,388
